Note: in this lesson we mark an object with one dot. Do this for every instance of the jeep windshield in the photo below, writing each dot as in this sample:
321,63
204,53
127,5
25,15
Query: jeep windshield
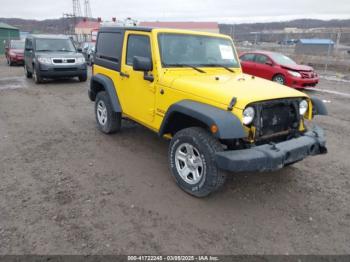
54,45
185,50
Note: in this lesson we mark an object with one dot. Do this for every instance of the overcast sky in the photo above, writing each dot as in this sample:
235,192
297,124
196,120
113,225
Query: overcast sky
236,11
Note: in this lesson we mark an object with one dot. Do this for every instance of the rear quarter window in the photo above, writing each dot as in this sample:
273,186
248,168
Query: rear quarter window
247,57
109,46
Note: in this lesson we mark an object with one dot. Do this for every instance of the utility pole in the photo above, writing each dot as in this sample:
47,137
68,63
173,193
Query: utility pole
87,9
76,8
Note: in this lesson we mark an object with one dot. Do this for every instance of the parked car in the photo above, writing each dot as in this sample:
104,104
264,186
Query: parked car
288,42
52,56
279,68
188,87
88,50
14,51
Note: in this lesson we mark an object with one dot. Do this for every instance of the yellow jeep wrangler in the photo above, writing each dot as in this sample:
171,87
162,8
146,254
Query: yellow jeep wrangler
189,87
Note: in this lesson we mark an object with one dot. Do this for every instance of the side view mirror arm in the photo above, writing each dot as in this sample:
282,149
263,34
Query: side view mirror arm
148,77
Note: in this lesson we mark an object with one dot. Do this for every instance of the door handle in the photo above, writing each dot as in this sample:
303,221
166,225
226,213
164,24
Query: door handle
122,74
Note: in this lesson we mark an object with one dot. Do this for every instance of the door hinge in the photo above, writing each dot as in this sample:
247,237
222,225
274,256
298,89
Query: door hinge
152,88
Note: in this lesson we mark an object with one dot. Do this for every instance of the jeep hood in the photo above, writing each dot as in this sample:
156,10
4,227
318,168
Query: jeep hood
222,88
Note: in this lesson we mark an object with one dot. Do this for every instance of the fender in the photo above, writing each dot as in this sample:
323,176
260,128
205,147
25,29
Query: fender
319,108
107,85
229,126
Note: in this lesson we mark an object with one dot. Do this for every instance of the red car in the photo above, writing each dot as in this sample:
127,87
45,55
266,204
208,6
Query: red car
14,52
279,68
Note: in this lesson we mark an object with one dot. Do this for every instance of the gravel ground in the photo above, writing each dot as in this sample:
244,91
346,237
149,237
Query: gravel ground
66,188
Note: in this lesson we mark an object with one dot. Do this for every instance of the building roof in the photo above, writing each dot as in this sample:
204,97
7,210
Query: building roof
316,41
182,25
88,24
6,26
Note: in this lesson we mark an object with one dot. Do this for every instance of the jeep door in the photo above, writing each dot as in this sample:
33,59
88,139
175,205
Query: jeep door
138,93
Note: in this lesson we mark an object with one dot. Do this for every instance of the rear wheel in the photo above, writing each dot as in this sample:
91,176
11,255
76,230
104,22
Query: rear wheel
107,120
192,161
279,79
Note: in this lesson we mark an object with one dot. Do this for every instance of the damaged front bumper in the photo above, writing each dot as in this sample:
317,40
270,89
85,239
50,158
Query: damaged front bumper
270,157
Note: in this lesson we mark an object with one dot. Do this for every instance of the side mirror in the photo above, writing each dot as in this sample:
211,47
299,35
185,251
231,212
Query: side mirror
79,49
29,49
269,63
142,64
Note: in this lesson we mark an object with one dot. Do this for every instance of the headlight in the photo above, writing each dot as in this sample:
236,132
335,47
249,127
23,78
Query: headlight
80,60
303,106
295,74
248,115
44,60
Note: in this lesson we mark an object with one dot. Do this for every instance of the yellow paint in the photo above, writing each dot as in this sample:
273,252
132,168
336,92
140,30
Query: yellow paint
143,102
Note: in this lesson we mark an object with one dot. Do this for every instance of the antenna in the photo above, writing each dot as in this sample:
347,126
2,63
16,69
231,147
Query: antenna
87,9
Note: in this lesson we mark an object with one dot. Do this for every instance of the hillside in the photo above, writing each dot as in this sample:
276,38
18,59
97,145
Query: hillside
62,25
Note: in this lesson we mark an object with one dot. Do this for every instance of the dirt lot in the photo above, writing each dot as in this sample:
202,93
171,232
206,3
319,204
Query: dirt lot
66,188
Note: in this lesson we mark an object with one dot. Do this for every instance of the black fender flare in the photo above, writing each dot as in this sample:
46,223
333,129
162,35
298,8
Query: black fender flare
229,126
109,87
318,107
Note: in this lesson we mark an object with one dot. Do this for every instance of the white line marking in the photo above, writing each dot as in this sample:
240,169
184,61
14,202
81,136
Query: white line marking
328,91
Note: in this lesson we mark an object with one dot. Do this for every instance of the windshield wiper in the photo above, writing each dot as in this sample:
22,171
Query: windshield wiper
219,65
188,65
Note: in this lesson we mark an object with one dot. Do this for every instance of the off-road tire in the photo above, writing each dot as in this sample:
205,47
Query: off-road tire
279,78
113,122
83,77
212,178
27,73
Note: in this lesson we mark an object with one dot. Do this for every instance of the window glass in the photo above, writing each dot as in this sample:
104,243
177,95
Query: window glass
109,46
248,57
29,43
138,45
17,44
196,50
261,59
64,45
282,59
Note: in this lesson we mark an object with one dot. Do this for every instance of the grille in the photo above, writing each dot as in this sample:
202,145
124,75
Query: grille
305,74
276,117
63,60
64,69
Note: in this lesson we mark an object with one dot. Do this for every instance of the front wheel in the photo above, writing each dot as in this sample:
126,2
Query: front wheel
36,76
83,77
26,72
279,79
9,62
192,164
107,120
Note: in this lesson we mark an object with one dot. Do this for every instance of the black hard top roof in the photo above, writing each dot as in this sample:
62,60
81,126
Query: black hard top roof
123,28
